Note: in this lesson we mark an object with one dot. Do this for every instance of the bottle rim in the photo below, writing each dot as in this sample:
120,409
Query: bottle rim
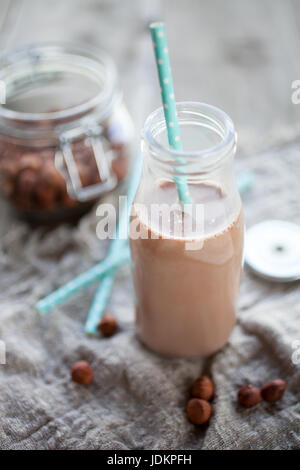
186,161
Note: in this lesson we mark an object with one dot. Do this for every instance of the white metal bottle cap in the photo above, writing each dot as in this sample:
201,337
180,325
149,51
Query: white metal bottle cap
272,250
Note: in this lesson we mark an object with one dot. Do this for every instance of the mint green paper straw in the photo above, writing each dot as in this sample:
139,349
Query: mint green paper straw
158,34
99,303
63,293
118,255
245,181
117,245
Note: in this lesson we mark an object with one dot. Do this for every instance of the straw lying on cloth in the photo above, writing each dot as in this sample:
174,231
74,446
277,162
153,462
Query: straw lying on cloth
117,246
118,254
63,293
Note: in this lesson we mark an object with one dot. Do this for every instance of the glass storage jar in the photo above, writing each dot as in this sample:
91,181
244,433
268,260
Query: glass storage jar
65,132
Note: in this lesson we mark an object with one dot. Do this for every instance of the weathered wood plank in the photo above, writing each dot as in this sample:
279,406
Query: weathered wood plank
241,56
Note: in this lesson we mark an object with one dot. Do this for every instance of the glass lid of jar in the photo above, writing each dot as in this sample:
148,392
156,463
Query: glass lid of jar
55,84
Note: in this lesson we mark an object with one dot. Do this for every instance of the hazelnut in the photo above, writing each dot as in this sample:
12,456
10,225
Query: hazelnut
83,154
7,187
9,167
26,182
273,390
67,201
203,388
30,160
82,373
95,177
249,396
22,202
44,196
198,411
49,187
51,177
85,174
108,325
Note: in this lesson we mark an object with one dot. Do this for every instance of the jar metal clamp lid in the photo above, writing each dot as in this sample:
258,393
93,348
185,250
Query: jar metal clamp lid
65,163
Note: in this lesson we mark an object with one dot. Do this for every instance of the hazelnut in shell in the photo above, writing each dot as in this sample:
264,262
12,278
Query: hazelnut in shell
108,325
249,396
26,182
82,373
32,161
198,411
203,388
272,391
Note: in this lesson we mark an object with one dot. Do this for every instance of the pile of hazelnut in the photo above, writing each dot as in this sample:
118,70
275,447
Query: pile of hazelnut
30,179
199,409
272,391
81,371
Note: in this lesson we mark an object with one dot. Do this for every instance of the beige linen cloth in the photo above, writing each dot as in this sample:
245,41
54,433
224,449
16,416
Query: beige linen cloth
137,400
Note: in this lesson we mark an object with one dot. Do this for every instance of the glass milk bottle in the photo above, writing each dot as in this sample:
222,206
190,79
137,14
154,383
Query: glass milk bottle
187,261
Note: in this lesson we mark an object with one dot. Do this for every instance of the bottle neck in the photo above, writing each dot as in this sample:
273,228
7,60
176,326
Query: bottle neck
208,141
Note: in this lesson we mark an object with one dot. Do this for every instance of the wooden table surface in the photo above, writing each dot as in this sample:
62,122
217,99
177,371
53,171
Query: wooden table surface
241,56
